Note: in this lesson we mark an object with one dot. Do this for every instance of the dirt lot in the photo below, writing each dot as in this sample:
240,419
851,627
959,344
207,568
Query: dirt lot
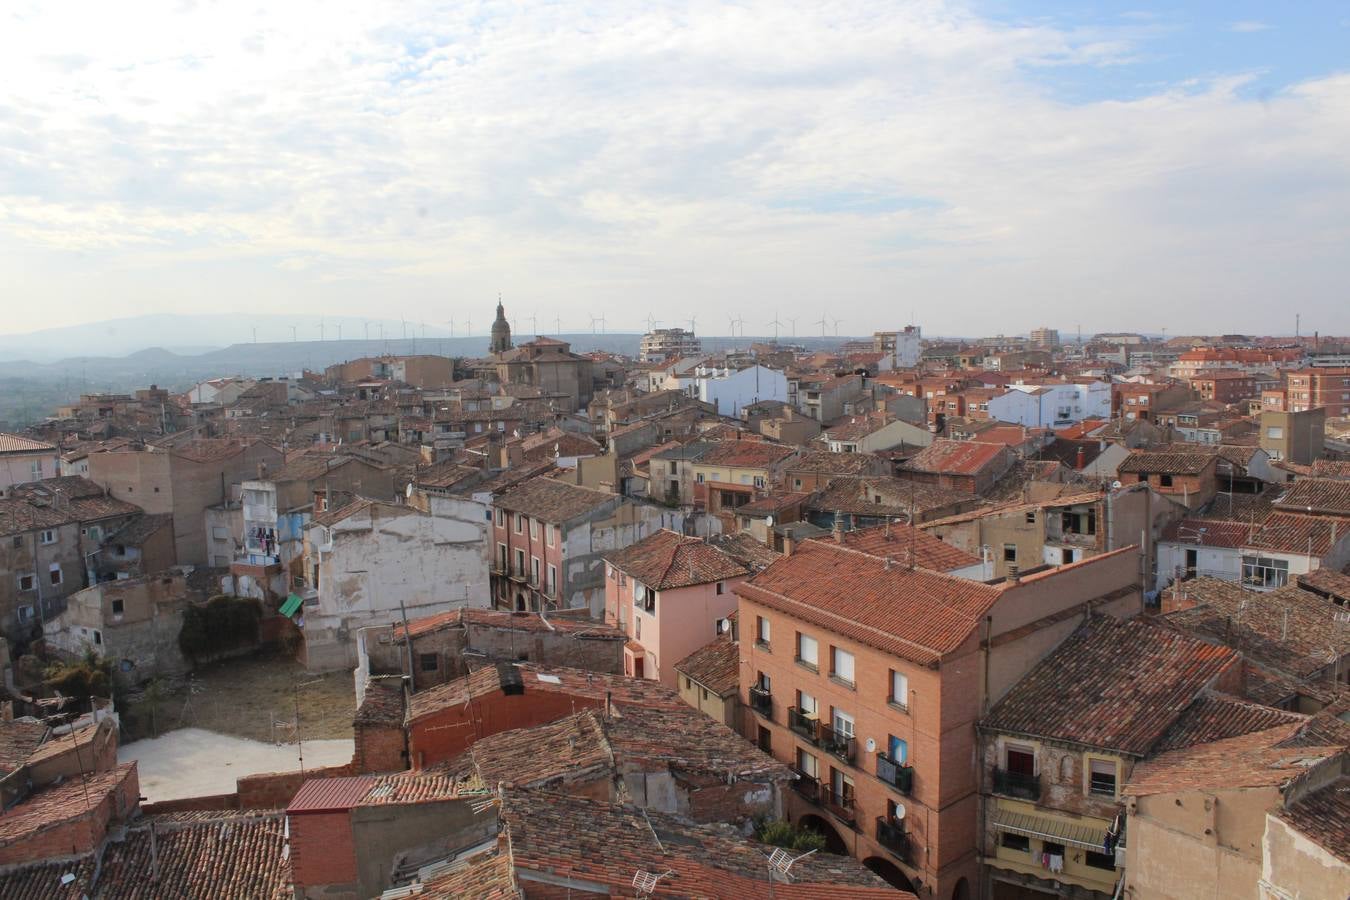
252,697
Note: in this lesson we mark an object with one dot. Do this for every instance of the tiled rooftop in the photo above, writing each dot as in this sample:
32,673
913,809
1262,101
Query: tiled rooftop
949,457
1166,462
17,443
571,837
1249,760
913,613
715,666
742,547
552,501
383,702
18,739
486,876
61,803
825,462
665,561
1323,816
1289,532
1214,717
1326,496
1111,685
575,682
884,495
745,454
1207,533
903,544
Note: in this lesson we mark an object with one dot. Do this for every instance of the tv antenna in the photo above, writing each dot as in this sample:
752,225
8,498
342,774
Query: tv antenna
645,882
781,863
652,322
601,320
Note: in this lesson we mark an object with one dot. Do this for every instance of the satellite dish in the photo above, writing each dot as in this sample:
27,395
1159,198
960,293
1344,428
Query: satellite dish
871,745
899,812
408,491
723,626
768,520
1116,485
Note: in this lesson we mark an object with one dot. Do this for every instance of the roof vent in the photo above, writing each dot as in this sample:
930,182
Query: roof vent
509,678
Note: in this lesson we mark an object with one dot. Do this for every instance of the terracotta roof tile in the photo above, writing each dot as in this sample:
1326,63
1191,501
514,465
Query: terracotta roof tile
18,739
43,881
1111,685
61,803
746,454
1214,717
716,665
575,682
1207,533
553,501
903,544
1249,760
1326,582
383,702
237,856
17,443
665,560
1289,532
1317,495
1323,816
1166,462
949,457
745,549
1331,468
827,463
885,495
606,843
913,613
485,876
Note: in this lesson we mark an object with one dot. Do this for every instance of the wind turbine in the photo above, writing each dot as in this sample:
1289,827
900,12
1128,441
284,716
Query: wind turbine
321,333
292,334
557,325
836,327
534,323
794,327
776,325
823,325
366,325
452,327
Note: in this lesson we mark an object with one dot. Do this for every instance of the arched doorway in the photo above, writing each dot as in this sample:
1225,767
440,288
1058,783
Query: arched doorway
962,890
890,873
833,842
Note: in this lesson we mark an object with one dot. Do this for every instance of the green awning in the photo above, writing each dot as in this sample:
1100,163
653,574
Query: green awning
292,604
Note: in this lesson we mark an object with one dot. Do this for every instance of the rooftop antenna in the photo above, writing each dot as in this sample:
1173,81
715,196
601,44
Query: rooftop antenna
781,863
652,322
645,882
692,320
557,324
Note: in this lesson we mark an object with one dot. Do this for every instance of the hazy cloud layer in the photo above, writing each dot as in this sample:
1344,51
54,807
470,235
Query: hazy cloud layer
868,159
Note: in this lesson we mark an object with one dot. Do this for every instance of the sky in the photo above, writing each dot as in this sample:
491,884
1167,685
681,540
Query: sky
972,167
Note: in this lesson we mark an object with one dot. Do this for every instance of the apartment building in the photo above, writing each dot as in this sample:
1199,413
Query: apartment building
549,537
1225,386
670,594
1312,388
867,676
23,459
1187,476
1296,437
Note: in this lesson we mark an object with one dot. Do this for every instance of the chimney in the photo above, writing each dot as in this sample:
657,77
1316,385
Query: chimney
1081,460
888,564
838,528
1013,576
262,471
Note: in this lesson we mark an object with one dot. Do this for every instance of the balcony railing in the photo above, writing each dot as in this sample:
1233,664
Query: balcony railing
761,701
841,745
892,836
807,786
807,726
897,776
1016,784
839,805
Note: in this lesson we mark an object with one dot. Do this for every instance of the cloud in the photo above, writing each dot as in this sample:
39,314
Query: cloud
616,158
1248,26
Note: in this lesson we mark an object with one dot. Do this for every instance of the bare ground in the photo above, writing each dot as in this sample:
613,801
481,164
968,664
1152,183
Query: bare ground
251,697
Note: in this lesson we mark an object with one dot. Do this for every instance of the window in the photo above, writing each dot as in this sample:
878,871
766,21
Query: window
764,682
54,573
534,570
1052,848
1275,433
49,536
1264,571
36,470
721,588
762,631
759,481
501,555
501,517
520,562
1031,518
219,534
552,587
429,662
807,705
548,534
1101,860
699,477
534,529
807,764
806,650
1019,760
899,689
796,484
841,664
842,723
18,541
897,750
117,607
98,637
520,523
1010,553
1102,777
26,582
1016,842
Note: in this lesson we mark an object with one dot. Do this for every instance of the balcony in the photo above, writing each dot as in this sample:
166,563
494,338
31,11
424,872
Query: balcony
805,725
761,701
1015,784
891,835
839,805
807,786
896,775
843,746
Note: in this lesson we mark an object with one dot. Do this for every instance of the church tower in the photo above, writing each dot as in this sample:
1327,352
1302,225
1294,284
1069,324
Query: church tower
501,332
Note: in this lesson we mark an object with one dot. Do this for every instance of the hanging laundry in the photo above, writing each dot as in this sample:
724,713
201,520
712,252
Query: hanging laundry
1056,863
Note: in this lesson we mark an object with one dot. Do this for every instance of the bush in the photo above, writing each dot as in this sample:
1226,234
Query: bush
784,834
90,676
222,623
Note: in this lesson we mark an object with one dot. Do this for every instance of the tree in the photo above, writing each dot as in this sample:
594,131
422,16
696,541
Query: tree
784,834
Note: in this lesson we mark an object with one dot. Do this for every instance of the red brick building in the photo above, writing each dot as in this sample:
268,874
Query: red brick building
868,676
1224,385
1311,388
